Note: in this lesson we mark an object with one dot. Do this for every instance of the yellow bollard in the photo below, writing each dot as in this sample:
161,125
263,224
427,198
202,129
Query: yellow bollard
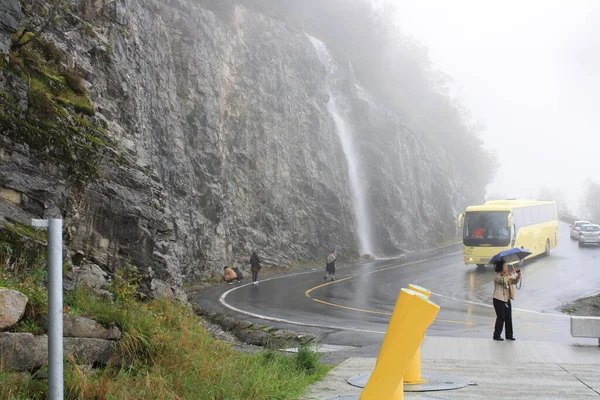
412,315
413,373
419,289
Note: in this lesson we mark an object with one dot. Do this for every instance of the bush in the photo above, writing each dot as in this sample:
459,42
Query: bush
40,101
307,360
125,283
74,82
50,51
166,353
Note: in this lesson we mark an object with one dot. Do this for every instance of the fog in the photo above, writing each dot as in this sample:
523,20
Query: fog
530,71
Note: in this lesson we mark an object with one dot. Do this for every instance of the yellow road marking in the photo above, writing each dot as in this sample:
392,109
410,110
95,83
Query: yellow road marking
307,294
383,312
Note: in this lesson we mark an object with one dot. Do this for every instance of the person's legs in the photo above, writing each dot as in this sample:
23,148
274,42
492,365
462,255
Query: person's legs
500,308
254,276
508,321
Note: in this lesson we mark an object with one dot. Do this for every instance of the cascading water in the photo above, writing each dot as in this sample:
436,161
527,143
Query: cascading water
344,132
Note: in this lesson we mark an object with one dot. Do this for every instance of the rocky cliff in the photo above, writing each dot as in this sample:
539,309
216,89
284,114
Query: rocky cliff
216,139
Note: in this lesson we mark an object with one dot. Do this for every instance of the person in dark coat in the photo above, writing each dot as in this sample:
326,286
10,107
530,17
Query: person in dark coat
239,273
255,267
330,266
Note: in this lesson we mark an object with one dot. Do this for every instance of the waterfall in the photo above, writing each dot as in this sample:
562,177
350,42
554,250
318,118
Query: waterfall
344,132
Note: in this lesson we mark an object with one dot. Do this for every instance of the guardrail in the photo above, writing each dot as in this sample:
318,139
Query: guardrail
567,218
588,327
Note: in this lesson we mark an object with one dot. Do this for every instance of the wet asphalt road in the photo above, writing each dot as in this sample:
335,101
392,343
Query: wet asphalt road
355,309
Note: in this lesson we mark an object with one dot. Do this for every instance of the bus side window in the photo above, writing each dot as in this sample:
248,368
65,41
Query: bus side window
527,216
535,215
513,234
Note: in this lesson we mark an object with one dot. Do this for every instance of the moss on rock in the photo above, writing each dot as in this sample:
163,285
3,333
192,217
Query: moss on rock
56,126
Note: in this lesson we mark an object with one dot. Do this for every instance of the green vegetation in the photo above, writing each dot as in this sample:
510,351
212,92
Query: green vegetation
22,267
164,351
591,200
56,124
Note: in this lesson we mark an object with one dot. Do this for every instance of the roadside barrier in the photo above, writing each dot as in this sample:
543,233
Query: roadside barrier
398,366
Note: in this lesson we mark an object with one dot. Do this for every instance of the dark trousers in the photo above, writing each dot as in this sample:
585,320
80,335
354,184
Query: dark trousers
503,318
254,276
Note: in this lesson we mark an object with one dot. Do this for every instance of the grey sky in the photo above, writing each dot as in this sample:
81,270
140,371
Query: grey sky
530,70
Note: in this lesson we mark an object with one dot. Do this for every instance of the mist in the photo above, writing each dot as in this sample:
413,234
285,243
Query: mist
529,72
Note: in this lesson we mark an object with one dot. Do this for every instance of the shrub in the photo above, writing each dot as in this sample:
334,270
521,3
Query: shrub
74,82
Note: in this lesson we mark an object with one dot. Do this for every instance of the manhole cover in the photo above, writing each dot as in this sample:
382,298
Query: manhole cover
434,382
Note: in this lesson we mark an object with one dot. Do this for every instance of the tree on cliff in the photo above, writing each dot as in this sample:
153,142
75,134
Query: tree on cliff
557,196
40,16
46,15
591,200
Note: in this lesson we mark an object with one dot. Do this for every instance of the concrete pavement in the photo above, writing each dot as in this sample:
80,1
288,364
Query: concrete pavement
496,370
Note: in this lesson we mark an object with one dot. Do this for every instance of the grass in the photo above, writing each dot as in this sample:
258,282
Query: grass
166,354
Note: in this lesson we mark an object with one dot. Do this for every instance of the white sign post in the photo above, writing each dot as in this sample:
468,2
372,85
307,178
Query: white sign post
55,306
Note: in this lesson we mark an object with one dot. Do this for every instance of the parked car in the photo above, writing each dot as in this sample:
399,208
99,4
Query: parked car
589,234
576,227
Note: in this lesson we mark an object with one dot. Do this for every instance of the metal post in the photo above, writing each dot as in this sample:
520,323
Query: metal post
55,310
55,306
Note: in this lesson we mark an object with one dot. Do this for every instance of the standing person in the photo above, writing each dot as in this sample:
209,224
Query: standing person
255,267
330,266
503,293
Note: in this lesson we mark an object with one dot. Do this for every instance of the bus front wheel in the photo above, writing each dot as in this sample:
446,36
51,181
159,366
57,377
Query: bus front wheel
548,247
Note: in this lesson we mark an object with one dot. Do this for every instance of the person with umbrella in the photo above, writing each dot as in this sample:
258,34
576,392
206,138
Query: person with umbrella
503,290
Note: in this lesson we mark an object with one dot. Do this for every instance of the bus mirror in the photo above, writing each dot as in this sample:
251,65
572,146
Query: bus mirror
459,223
510,219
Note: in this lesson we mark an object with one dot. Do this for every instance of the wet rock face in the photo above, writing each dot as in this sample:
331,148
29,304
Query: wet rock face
226,146
413,195
10,15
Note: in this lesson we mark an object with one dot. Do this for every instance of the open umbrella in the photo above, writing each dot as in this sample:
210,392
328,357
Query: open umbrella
511,255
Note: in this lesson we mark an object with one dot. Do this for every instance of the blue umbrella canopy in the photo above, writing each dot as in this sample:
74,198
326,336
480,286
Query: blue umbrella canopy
511,255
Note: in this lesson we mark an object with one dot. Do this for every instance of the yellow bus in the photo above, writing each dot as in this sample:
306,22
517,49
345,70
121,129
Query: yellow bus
503,224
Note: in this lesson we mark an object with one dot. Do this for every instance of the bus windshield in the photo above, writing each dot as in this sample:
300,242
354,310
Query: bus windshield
486,228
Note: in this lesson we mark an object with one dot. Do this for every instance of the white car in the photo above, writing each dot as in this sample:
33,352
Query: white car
576,227
589,234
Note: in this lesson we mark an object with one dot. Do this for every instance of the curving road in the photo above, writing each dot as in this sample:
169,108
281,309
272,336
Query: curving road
355,309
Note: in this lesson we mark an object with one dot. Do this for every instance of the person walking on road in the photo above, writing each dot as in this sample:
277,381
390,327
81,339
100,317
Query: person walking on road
503,293
330,266
255,267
